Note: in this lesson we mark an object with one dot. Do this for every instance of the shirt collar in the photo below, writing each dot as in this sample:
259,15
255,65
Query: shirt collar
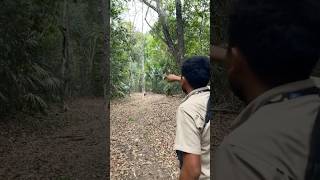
196,91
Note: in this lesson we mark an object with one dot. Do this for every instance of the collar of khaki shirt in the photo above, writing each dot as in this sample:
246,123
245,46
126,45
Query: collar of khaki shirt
195,91
270,95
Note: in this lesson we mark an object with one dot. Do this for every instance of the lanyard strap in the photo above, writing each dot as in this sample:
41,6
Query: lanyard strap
296,94
313,166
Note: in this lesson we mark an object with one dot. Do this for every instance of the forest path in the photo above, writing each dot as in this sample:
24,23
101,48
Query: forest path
142,137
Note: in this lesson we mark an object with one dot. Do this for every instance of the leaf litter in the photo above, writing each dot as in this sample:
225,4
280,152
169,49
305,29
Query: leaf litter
142,137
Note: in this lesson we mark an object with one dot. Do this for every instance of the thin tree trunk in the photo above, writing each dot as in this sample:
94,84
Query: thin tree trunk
65,66
91,55
143,86
105,71
143,78
105,5
218,36
180,32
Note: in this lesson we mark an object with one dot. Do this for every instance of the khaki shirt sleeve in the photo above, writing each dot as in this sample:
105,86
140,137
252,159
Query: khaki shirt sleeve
235,163
187,134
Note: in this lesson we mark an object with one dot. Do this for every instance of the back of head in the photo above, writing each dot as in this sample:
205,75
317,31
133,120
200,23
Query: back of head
196,70
280,39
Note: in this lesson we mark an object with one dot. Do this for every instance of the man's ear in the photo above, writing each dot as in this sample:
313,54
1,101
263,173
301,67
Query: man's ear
182,81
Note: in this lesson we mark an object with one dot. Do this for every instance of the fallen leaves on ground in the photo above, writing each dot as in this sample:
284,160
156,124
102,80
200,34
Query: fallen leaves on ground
142,137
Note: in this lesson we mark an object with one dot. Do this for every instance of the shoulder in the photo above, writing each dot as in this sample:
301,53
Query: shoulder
195,102
285,116
277,134
236,162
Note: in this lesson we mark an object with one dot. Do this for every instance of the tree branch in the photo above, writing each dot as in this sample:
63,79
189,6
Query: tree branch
150,5
165,27
159,36
145,18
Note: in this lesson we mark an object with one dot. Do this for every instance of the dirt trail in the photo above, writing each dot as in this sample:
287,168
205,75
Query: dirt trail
142,137
63,145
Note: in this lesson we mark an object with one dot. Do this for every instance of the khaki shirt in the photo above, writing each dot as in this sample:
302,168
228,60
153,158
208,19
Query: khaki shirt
269,141
191,137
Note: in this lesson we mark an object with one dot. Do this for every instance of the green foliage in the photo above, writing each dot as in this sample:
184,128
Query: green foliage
197,27
32,40
31,46
86,44
129,48
159,63
121,56
26,28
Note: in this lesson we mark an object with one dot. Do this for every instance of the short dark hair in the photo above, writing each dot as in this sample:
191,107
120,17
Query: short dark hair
196,70
279,38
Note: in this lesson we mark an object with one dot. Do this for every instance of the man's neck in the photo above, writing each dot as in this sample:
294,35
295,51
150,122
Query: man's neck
253,89
189,90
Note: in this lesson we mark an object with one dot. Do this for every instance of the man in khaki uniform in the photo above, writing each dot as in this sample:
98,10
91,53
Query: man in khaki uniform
192,141
273,48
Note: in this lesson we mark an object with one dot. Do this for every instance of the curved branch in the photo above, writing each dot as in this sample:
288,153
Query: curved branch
150,5
165,27
145,18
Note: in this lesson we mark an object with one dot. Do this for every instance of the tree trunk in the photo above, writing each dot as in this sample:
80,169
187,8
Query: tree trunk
106,49
177,51
218,36
65,66
90,71
105,72
143,79
180,32
143,83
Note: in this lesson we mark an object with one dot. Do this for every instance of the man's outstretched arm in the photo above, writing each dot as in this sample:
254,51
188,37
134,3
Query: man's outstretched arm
173,78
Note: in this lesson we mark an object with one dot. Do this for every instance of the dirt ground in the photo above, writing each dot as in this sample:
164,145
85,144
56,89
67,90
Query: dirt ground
72,144
62,145
142,137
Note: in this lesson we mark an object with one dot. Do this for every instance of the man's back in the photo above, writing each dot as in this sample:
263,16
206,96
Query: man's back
193,135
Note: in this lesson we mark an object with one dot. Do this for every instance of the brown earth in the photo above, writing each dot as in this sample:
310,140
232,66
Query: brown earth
142,137
62,145
72,144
